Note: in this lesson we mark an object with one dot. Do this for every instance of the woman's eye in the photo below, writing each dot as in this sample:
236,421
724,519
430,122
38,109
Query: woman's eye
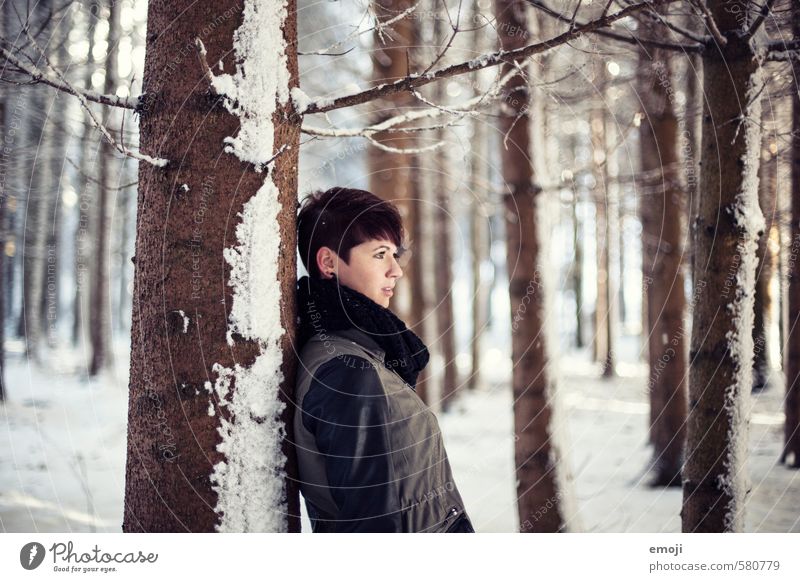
380,256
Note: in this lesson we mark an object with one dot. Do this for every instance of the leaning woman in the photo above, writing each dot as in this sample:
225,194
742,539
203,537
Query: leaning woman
370,453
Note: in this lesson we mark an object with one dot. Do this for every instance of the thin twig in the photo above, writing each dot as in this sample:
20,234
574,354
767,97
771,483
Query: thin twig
158,162
39,76
710,22
766,9
492,59
628,39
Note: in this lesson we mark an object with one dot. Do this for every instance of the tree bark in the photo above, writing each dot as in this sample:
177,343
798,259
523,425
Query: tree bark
604,308
390,176
540,492
662,230
765,254
725,234
790,455
86,198
443,276
100,312
196,462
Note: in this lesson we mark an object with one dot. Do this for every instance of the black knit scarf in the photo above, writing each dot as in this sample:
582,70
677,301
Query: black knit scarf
335,307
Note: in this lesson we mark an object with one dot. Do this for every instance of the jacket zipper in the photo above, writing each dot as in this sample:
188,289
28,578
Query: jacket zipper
451,514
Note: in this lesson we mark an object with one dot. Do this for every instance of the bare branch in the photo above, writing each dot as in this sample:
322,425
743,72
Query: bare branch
96,181
766,9
158,162
628,39
379,26
415,80
390,149
656,15
39,76
711,24
468,107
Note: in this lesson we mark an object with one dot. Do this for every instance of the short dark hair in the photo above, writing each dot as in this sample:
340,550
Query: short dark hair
341,218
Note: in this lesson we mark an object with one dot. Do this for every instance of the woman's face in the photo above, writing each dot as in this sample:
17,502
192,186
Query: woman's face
373,269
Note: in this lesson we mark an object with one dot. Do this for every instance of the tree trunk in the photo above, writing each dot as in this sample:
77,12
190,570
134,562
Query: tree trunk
212,368
415,269
791,436
765,256
479,245
726,231
540,490
662,232
39,199
100,312
577,269
390,176
604,310
86,198
443,276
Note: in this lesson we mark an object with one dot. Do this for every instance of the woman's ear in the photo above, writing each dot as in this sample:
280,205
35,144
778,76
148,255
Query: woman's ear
327,262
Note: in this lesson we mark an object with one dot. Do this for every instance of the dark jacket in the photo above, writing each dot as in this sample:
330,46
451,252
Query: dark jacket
370,453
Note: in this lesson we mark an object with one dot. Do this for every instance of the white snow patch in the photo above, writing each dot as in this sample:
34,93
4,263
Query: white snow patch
185,319
748,216
261,77
250,483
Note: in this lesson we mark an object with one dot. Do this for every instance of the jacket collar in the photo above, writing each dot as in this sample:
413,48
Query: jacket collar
365,341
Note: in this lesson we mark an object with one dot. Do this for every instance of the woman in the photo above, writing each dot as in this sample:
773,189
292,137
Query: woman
370,452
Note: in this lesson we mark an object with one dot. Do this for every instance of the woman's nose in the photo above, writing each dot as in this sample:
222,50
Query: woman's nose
396,269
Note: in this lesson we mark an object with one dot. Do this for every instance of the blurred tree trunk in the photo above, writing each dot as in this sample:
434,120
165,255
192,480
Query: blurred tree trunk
536,455
100,312
725,233
55,219
125,213
604,309
5,178
765,254
443,276
390,177
39,197
479,245
478,219
791,439
86,196
443,216
662,232
415,268
177,479
577,269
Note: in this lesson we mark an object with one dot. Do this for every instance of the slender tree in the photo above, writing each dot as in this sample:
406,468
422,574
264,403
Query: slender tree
725,235
662,232
790,455
537,456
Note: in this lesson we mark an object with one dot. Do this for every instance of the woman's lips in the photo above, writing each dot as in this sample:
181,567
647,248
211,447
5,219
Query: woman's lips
387,291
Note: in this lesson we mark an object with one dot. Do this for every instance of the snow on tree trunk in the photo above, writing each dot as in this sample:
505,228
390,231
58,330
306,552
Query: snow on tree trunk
211,348
542,496
791,447
662,232
725,234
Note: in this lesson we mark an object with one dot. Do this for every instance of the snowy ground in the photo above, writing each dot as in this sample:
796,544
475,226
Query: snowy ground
62,452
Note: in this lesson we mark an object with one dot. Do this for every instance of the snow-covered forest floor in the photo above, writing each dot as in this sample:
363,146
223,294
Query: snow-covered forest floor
62,450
